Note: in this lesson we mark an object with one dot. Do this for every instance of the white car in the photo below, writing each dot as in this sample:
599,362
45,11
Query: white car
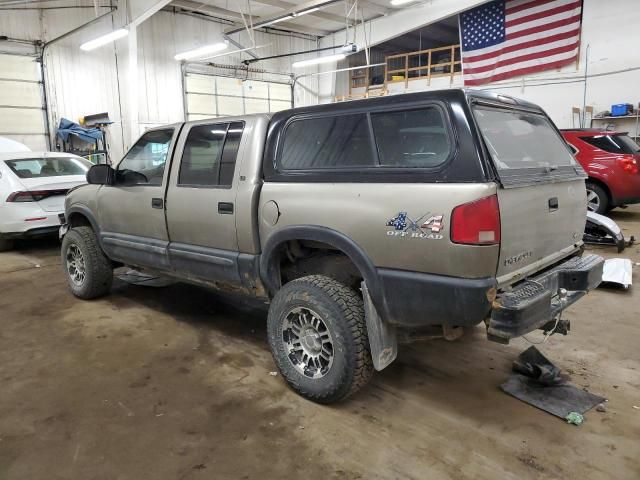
32,190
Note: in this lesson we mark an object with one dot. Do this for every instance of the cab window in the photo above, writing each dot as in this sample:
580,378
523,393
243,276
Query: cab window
209,155
144,164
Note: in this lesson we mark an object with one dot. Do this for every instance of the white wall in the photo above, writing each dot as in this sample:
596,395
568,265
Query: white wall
81,83
610,30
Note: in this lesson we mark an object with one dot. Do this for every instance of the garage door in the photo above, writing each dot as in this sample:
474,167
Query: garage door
22,110
209,96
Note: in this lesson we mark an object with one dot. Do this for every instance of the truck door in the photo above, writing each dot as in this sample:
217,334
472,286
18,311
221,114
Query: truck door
201,210
131,212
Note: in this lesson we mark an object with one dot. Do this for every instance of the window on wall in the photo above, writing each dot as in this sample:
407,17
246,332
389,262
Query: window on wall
209,155
216,96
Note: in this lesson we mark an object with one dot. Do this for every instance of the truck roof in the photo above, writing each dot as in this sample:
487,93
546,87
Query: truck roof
451,94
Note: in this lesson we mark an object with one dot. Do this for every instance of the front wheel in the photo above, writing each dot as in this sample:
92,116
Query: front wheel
318,338
89,272
597,198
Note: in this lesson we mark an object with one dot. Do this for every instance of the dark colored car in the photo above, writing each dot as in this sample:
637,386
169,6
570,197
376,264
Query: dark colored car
611,159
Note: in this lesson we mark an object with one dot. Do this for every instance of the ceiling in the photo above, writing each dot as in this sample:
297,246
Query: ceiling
438,34
328,19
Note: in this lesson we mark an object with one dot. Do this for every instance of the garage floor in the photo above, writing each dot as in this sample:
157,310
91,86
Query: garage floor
173,383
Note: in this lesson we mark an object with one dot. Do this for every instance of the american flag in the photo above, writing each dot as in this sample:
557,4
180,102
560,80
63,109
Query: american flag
509,38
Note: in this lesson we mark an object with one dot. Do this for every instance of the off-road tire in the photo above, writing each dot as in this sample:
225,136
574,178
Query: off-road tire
342,311
98,268
603,204
6,245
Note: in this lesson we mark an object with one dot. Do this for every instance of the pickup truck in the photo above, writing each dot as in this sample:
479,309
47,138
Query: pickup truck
357,222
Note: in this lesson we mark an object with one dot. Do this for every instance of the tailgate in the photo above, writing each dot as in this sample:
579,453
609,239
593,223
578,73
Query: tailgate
542,196
540,224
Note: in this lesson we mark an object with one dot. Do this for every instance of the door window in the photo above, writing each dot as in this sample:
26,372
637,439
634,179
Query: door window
144,164
209,155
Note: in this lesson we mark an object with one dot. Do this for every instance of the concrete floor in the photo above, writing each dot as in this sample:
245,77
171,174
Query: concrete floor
173,383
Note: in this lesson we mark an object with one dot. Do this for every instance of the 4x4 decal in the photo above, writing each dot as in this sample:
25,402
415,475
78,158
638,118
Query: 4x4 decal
427,226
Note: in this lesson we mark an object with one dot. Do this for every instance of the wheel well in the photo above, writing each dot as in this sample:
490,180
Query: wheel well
78,220
299,258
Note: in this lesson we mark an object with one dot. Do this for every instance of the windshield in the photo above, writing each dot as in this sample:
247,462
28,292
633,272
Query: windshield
518,140
620,143
48,167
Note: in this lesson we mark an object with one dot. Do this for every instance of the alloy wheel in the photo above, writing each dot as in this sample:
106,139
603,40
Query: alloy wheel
593,201
75,265
308,342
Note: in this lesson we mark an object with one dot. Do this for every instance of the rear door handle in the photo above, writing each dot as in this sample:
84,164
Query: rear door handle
553,204
157,203
225,208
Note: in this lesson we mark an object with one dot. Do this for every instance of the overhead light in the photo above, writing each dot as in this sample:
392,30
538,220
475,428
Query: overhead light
281,19
103,40
199,52
319,60
308,10
401,2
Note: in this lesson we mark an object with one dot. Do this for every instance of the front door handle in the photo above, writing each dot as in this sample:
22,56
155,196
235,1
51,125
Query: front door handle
553,204
225,208
157,203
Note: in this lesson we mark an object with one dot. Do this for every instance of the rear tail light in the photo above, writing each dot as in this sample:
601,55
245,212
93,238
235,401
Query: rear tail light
476,223
34,195
628,164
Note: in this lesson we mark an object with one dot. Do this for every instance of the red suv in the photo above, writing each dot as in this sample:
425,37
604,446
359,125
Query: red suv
611,160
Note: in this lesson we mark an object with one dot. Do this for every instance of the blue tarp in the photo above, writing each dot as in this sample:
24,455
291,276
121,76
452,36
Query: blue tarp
67,127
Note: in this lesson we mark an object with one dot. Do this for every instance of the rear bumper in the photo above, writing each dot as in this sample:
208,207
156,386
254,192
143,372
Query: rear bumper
31,233
413,299
27,220
535,302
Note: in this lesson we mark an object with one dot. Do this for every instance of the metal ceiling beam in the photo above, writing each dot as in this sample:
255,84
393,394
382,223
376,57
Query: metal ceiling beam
205,9
289,5
263,22
148,11
23,2
366,5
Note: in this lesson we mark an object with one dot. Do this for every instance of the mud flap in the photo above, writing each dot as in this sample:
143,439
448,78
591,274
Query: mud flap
382,336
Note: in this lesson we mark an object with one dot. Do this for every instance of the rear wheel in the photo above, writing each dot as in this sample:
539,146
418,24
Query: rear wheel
597,198
5,245
89,272
318,338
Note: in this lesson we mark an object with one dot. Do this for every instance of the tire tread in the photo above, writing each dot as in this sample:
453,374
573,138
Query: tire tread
101,274
351,305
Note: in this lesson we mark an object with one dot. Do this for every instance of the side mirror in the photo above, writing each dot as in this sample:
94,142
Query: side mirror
101,175
130,178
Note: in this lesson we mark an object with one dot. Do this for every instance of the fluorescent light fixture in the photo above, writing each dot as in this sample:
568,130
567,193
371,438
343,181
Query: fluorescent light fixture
202,51
401,2
281,19
103,40
319,60
308,10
